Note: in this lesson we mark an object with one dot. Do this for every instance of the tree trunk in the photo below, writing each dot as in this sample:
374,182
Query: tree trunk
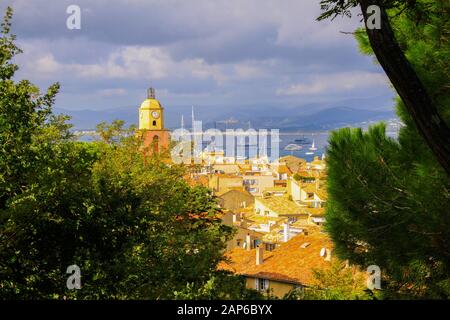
409,87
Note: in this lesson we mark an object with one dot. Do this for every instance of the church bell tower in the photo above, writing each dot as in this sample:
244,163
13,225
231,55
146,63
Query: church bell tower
151,124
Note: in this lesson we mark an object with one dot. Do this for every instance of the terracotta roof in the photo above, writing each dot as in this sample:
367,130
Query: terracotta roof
287,263
293,163
281,205
254,217
316,211
306,174
229,189
275,189
322,193
308,187
291,158
226,175
283,168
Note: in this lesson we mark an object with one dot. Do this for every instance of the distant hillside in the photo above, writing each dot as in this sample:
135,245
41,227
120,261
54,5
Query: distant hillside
317,121
286,119
334,118
88,119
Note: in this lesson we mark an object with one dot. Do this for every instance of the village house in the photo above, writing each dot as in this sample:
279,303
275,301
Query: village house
244,237
256,183
294,164
233,199
221,182
279,206
289,266
312,194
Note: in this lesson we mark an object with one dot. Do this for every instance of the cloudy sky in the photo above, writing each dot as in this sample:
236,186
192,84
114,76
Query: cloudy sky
210,53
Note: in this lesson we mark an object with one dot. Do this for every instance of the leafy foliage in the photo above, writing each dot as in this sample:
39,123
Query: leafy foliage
221,286
338,283
131,223
389,200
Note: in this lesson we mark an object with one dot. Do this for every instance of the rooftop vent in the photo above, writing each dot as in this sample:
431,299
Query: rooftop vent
326,254
259,256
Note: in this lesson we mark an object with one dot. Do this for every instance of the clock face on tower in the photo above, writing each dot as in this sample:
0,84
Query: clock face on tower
155,114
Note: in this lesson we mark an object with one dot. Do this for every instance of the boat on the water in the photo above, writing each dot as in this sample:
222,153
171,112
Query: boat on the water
293,147
313,146
302,140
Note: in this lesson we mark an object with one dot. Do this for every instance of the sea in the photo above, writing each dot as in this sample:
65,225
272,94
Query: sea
302,139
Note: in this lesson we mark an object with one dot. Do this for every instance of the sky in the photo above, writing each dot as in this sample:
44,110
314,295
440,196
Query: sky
211,53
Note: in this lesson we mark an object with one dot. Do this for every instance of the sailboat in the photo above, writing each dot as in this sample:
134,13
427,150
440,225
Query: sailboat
312,148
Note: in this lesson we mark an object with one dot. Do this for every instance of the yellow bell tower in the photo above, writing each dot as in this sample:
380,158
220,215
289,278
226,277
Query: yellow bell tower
151,113
151,125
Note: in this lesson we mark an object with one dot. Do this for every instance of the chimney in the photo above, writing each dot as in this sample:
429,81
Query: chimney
328,256
248,240
286,232
259,255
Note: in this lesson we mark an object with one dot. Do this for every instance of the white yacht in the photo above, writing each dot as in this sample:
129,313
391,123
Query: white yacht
313,146
293,147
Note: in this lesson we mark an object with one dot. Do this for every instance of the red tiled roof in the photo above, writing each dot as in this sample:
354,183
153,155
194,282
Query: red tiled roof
287,263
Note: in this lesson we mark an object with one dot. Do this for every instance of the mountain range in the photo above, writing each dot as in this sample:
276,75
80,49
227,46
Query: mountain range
285,119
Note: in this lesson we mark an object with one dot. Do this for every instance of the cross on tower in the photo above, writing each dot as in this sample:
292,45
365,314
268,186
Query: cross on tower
151,93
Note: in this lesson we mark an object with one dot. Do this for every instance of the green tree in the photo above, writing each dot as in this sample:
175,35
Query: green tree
221,286
338,283
131,223
389,199
420,103
112,133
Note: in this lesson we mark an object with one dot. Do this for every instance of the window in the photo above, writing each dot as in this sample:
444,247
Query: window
261,284
154,123
155,143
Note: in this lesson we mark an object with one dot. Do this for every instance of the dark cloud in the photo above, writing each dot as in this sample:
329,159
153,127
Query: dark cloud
199,52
